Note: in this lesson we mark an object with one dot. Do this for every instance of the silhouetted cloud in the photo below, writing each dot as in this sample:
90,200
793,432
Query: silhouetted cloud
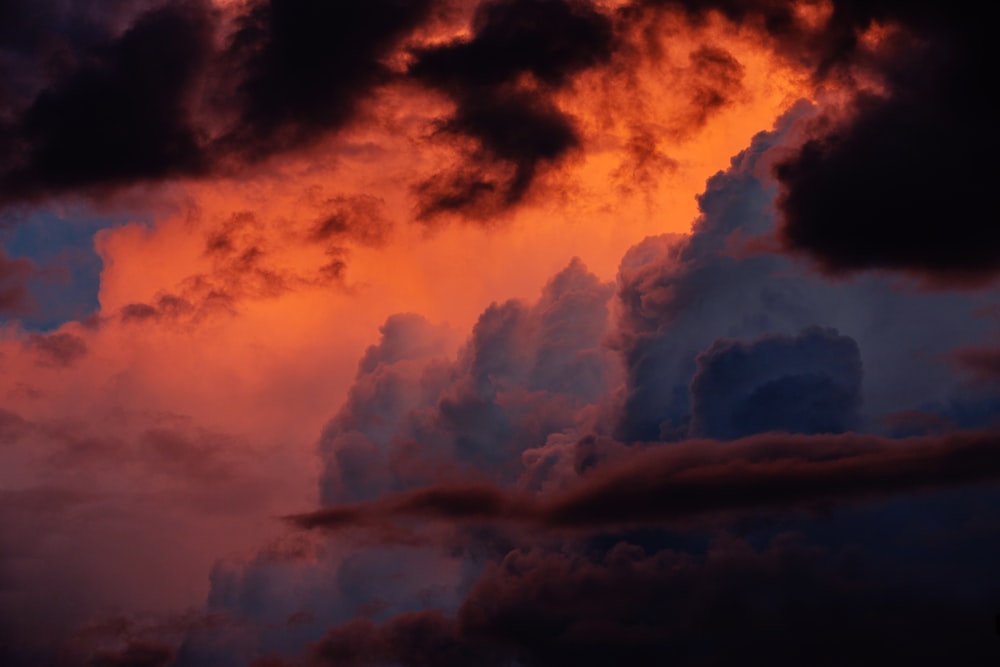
515,125
876,189
118,118
303,67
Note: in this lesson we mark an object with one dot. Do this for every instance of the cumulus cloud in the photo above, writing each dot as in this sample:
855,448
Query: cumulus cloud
807,384
525,373
677,296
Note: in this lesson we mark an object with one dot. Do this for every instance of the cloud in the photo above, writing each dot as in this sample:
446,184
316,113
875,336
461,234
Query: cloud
121,117
142,94
549,494
136,654
301,69
12,427
807,384
502,81
676,296
59,350
980,361
664,484
539,607
525,373
14,276
875,188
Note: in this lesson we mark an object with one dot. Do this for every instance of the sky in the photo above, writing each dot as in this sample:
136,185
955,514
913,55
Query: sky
514,333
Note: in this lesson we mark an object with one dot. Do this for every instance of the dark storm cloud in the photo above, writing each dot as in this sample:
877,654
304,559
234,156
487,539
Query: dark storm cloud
904,182
630,605
304,66
107,99
514,124
878,188
699,478
120,116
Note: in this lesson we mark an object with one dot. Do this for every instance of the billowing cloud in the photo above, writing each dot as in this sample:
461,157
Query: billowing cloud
580,430
807,384
526,373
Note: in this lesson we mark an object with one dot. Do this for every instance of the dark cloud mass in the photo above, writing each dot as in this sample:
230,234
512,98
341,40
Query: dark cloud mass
133,96
302,66
175,91
501,81
120,116
878,189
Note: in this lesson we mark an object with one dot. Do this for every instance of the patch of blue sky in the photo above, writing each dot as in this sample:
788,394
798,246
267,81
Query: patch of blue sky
65,285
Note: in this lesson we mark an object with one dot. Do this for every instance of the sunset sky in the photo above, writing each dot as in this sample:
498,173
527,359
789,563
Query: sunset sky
513,333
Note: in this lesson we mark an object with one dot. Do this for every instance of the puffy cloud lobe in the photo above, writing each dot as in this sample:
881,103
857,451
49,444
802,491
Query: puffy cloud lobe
807,384
676,296
526,373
